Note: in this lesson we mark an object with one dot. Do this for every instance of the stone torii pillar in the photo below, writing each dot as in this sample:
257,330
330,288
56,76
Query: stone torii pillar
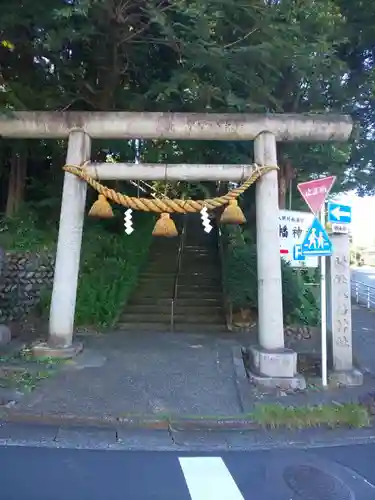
64,292
272,364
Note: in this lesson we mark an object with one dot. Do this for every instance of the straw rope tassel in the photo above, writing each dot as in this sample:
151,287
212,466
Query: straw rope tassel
165,226
101,208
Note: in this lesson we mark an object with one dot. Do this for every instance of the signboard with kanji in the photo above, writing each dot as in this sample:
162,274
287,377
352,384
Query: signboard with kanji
315,192
293,226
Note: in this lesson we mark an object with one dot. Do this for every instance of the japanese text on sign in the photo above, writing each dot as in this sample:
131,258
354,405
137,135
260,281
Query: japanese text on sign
342,313
292,229
315,190
296,229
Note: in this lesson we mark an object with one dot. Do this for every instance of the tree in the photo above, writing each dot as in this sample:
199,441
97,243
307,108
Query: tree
206,55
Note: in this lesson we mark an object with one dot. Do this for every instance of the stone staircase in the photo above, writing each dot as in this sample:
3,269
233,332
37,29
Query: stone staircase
198,303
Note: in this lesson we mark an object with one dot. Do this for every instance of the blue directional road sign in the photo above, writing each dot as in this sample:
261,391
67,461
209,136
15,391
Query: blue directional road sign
337,212
316,242
297,252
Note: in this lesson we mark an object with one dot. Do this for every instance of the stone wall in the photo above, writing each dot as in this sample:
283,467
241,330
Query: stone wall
23,277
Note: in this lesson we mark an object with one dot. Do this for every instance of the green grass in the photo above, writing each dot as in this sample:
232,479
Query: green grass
22,371
110,261
330,415
22,380
274,416
25,356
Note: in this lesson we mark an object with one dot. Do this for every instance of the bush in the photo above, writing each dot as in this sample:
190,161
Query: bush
110,265
26,233
241,279
110,261
239,269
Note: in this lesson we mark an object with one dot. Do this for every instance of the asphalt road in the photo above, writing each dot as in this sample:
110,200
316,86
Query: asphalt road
337,473
364,275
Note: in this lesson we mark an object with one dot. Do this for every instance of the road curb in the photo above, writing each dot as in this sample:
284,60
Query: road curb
167,423
132,422
60,420
241,380
226,424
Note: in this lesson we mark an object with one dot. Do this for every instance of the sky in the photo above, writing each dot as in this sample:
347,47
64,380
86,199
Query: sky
363,215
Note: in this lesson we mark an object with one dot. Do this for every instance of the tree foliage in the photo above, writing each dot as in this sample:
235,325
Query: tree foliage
207,55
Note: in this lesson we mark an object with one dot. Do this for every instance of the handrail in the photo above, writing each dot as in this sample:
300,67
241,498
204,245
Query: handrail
363,293
178,268
361,283
227,304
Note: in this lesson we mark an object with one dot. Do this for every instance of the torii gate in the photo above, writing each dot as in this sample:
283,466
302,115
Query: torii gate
271,358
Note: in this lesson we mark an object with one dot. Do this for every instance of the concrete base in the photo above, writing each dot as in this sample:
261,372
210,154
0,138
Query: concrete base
348,378
275,368
44,350
273,363
297,382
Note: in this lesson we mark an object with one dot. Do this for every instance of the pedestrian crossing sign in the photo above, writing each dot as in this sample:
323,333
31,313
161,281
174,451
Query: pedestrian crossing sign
316,242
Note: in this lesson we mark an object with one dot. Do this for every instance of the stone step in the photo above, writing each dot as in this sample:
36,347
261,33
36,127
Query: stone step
172,259
167,288
184,278
201,271
171,270
178,328
201,285
146,309
198,293
186,268
180,309
165,318
206,270
163,283
145,285
153,287
191,289
152,293
189,301
199,328
199,265
199,260
198,253
214,309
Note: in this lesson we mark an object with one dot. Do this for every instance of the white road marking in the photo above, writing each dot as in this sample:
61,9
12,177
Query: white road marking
208,478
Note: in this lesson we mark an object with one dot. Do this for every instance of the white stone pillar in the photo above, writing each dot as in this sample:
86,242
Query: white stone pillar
271,363
270,305
61,321
341,313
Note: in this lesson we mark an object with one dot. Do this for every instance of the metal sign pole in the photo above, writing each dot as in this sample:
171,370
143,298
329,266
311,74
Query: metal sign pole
323,307
315,193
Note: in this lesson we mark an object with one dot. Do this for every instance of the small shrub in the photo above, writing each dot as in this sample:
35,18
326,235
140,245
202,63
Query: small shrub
109,272
241,279
26,233
109,267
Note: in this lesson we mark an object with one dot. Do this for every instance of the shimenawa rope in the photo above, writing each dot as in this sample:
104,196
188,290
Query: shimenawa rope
167,205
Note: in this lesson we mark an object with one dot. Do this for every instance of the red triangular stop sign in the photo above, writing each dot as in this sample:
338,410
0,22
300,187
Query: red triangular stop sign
315,192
